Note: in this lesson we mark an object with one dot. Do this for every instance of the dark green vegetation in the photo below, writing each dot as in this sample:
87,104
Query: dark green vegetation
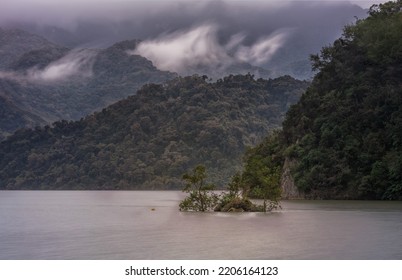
261,177
344,136
52,82
149,140
200,198
237,196
203,198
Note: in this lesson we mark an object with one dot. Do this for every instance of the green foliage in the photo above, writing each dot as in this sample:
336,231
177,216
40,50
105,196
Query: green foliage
239,205
148,140
262,170
235,186
237,197
201,198
233,196
260,178
345,131
344,135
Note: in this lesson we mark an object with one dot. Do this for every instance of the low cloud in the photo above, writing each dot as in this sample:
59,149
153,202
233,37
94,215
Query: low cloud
7,75
263,50
184,50
76,62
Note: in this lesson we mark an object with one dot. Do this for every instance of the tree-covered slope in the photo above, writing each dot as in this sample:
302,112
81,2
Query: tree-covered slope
56,83
15,42
13,118
343,139
150,139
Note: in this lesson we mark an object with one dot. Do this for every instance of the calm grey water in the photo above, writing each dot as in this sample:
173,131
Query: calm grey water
122,225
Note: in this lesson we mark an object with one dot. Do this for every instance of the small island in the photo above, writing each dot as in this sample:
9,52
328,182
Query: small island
203,197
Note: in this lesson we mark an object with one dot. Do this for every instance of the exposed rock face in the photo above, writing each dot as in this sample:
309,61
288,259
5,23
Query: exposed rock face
289,189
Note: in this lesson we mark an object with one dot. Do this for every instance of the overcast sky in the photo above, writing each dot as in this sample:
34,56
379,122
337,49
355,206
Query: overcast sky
66,12
178,34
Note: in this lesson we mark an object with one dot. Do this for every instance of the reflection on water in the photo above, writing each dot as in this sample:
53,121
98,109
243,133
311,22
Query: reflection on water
122,225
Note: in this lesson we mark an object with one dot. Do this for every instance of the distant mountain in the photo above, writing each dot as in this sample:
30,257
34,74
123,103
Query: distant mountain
13,118
38,58
54,82
15,42
309,25
117,75
23,51
150,139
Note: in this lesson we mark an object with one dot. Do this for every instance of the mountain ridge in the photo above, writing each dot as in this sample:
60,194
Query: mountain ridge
148,140
55,83
16,42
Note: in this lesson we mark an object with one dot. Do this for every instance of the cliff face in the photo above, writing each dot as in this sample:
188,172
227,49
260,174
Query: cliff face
288,187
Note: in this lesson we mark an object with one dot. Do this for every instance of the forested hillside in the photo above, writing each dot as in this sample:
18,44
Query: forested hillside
54,82
13,118
14,43
343,139
149,140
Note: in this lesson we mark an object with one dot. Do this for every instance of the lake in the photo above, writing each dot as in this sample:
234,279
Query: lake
147,225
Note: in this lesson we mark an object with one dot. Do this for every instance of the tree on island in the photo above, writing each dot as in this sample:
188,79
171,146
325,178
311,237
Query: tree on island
236,199
266,185
201,198
262,171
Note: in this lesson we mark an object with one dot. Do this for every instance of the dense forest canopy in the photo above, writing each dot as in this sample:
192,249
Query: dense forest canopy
149,140
344,136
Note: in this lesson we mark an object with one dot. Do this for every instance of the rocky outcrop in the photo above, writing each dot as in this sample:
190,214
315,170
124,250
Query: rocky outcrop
289,189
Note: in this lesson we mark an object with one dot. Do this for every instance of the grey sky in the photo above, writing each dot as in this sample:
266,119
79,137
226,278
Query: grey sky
65,12
262,32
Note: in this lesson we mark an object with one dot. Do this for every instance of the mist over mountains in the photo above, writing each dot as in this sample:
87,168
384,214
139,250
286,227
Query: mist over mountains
67,60
50,82
340,137
204,37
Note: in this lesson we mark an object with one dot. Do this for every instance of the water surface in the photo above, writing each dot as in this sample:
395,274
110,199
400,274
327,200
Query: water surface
123,225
